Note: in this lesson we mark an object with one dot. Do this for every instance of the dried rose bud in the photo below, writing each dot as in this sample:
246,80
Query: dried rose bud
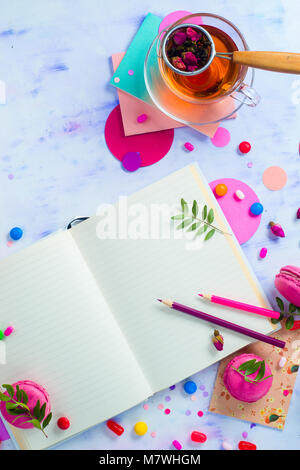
189,58
178,63
179,37
277,230
192,68
218,340
192,34
298,213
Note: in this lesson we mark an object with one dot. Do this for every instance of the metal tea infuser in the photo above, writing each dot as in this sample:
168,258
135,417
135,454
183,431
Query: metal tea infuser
285,62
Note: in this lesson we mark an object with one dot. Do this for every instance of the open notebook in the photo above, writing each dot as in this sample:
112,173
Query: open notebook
88,326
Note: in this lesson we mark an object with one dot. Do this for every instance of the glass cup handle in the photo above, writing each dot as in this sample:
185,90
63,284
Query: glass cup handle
247,95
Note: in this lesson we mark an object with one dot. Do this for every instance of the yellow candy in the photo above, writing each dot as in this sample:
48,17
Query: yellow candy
221,189
140,428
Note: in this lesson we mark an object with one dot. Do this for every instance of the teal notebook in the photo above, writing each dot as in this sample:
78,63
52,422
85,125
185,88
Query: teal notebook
134,60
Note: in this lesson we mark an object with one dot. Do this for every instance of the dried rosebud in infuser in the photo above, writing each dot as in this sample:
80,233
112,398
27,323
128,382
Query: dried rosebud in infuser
192,68
298,213
218,340
189,58
277,230
192,34
178,63
179,38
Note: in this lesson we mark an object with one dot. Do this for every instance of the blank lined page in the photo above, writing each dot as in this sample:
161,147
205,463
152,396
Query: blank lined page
65,339
170,345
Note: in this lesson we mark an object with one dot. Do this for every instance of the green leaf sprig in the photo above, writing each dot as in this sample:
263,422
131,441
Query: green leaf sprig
249,367
193,222
20,409
292,310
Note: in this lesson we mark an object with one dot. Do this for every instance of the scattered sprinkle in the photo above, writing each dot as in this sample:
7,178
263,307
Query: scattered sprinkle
200,413
168,398
167,411
9,243
153,434
239,194
189,146
250,164
263,252
140,428
130,72
142,118
172,387
244,147
11,176
8,330
146,406
205,394
160,406
193,398
202,387
188,412
116,79
115,427
245,435
285,393
177,444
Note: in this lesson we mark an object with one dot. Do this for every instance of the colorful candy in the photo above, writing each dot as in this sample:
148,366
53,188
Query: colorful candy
177,444
142,118
190,387
1,335
63,423
189,146
244,445
198,437
239,194
16,233
115,427
140,428
256,208
245,147
263,252
221,189
298,213
277,230
8,330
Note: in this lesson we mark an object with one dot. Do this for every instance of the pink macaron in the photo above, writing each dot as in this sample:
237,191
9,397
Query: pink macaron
34,392
287,282
238,387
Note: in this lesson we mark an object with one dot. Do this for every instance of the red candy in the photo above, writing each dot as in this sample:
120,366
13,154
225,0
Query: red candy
198,437
244,445
115,427
245,147
63,423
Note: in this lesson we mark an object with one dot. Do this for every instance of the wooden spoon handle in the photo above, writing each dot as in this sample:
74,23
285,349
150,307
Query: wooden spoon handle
286,62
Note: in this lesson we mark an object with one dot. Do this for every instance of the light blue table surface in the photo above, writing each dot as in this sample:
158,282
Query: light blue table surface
54,163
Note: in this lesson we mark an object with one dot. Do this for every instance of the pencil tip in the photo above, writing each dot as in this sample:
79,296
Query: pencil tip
159,300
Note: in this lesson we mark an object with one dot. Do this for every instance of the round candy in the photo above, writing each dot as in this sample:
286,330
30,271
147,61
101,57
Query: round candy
8,330
256,208
142,118
63,423
245,147
177,444
115,427
131,161
198,437
239,194
244,445
16,233
1,335
189,146
221,189
263,252
140,428
190,387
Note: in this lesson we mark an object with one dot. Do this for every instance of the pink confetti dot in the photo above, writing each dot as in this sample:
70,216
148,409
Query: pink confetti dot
177,444
8,330
130,72
116,79
189,146
153,434
168,398
167,411
200,414
263,252
245,435
160,406
142,118
188,413
221,137
9,243
146,406
193,398
285,393
250,165
202,387
11,176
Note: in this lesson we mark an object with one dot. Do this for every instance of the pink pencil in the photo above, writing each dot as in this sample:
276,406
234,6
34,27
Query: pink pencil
241,306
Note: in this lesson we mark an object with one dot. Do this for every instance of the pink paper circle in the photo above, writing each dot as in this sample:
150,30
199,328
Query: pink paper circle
152,146
175,16
221,137
237,213
274,178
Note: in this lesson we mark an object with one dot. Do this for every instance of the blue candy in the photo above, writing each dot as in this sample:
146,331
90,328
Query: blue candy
16,233
256,208
190,387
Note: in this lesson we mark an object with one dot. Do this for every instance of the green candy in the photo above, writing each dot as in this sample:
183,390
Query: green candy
1,335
